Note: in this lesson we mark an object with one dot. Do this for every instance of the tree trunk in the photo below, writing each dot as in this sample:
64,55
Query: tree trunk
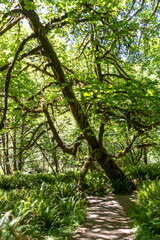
5,142
107,163
14,150
1,163
21,148
83,173
145,156
112,171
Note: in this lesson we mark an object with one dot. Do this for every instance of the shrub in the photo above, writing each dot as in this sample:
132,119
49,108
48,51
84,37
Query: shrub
97,183
39,209
146,211
143,172
20,180
122,187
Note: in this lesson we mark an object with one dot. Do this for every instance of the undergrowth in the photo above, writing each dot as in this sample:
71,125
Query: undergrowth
39,207
143,172
146,211
44,206
96,183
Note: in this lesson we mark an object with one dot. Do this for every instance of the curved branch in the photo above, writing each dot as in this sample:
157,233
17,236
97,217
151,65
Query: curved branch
51,24
49,163
56,20
133,3
146,145
21,104
9,26
139,10
30,144
82,50
127,149
12,12
8,77
65,149
4,67
107,51
31,52
155,9
41,70
39,92
115,75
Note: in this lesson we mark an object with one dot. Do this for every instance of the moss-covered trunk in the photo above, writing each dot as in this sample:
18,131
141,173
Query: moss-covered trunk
107,163
83,172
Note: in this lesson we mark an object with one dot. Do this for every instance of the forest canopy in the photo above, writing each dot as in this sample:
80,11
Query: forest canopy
79,79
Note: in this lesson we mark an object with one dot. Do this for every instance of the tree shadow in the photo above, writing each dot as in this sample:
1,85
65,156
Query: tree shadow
107,218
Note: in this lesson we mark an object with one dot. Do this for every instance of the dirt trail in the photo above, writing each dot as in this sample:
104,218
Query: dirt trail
107,218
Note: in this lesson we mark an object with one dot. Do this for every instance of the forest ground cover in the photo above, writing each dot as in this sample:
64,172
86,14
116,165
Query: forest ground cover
145,212
42,206
39,207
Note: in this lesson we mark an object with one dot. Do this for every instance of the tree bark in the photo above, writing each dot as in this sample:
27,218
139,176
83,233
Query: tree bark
145,156
107,162
5,142
21,149
14,149
1,163
84,171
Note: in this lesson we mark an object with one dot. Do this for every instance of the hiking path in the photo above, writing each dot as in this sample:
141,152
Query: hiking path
107,219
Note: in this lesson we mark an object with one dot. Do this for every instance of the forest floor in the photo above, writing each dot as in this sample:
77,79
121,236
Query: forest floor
107,218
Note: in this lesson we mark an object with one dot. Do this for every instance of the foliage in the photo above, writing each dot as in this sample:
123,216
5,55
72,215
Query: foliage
97,183
146,210
20,180
41,208
143,172
122,187
103,71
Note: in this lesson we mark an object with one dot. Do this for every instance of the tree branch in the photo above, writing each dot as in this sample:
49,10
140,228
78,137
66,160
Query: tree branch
82,50
40,92
65,148
155,9
4,67
41,70
9,26
133,3
27,109
100,136
115,75
12,12
8,77
127,149
31,52
30,143
139,10
42,151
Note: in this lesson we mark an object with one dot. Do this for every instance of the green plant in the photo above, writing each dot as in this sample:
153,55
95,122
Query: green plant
37,205
143,172
146,210
19,180
121,187
97,183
